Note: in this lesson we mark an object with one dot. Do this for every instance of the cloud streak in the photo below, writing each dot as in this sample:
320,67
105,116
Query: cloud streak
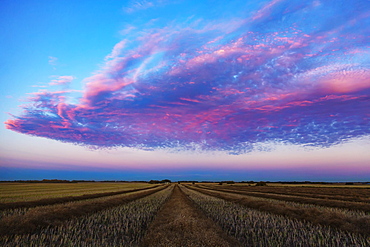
291,72
139,5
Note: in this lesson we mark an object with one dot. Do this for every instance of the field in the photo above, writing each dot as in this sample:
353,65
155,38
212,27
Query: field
141,214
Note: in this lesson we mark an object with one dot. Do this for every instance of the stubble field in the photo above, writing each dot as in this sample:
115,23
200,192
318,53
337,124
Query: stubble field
140,214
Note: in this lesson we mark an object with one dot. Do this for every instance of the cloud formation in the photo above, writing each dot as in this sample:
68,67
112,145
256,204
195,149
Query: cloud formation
289,72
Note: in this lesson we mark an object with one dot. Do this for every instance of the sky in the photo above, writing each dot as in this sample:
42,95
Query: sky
275,90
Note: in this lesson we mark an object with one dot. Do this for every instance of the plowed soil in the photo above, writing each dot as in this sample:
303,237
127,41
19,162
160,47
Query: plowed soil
181,223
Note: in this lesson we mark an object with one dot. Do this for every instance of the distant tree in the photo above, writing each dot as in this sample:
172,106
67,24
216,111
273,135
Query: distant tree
54,181
228,182
154,182
220,183
261,184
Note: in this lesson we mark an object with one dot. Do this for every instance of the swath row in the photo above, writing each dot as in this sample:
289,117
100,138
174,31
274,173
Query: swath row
355,221
331,193
33,219
123,225
253,227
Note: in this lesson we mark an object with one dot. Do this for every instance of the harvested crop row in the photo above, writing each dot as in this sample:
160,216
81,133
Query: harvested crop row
124,225
307,192
24,211
15,192
180,223
321,202
53,215
345,194
52,201
314,215
255,228
348,212
323,196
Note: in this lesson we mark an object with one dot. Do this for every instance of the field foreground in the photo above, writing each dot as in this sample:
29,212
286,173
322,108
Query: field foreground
120,214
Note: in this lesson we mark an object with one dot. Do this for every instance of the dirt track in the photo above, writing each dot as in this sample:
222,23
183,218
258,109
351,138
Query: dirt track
181,223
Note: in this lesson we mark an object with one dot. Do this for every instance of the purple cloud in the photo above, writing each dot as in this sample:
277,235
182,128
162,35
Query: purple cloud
291,72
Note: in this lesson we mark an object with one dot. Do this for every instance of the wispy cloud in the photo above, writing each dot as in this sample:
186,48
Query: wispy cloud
62,80
41,86
290,73
137,5
53,61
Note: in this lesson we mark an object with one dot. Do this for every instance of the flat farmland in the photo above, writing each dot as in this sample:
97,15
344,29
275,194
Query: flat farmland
187,215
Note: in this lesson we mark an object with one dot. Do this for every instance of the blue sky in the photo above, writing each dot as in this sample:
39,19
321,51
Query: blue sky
268,89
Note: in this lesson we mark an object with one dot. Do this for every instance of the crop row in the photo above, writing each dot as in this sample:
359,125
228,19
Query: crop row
31,211
39,217
124,225
255,228
348,222
299,199
58,204
52,201
335,193
334,210
23,192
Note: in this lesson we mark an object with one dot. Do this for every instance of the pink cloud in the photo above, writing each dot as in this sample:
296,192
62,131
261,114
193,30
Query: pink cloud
346,81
